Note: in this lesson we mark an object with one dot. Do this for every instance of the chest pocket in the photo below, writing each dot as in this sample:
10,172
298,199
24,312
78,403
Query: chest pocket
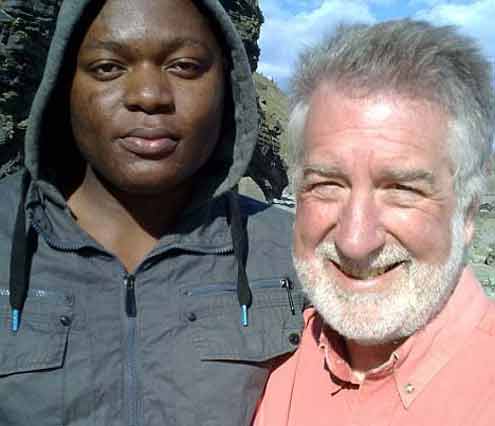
274,321
235,360
31,380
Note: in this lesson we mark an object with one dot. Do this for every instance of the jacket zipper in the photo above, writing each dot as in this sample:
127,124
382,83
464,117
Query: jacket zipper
130,296
131,312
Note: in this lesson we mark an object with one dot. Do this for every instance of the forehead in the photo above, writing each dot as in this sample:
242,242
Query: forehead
144,19
379,123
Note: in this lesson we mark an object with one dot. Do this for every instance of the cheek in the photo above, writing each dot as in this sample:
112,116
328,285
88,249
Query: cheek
314,222
427,236
201,107
82,116
91,112
200,119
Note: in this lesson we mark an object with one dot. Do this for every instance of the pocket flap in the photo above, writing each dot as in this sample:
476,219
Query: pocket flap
41,340
273,329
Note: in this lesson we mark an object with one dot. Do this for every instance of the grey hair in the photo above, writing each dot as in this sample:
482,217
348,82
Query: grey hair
414,59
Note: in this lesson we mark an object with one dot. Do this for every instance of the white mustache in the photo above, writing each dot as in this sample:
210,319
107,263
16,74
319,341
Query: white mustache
374,265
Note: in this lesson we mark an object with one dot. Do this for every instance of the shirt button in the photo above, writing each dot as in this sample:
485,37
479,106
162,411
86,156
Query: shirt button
409,388
191,316
294,339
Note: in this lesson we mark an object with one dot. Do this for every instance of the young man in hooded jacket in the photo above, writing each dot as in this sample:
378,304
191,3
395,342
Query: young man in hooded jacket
135,287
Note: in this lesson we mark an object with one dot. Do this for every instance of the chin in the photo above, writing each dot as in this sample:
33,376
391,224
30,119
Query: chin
147,187
140,184
407,305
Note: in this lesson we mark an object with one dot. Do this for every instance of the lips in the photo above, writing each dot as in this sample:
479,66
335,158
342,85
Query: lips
151,143
368,280
367,273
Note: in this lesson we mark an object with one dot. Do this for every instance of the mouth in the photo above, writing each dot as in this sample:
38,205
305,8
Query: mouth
152,133
365,274
150,143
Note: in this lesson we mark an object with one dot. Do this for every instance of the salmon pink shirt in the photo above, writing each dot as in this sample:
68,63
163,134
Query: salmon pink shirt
443,375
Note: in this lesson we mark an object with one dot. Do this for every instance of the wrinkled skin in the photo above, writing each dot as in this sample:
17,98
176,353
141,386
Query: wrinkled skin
375,207
376,172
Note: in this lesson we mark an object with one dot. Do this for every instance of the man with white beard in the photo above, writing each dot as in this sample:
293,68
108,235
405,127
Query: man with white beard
391,129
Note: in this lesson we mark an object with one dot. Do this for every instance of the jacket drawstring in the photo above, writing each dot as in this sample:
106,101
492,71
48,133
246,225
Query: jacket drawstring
239,241
20,258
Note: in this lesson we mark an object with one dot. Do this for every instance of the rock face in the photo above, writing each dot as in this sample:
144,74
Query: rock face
26,27
25,32
268,168
482,251
247,16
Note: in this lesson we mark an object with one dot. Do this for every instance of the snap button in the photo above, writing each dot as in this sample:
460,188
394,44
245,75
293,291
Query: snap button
65,320
294,339
191,316
409,388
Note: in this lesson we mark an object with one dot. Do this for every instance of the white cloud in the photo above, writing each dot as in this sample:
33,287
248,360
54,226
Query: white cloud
475,19
292,24
284,34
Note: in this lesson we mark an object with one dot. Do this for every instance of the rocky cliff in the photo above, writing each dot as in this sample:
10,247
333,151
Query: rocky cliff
25,32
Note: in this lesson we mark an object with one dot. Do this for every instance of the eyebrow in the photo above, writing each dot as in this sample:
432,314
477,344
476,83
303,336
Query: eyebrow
398,175
413,175
322,170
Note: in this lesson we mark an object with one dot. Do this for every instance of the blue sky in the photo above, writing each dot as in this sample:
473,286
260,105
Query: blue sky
292,24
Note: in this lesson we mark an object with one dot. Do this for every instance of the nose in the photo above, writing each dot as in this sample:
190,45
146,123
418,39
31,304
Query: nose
359,232
149,90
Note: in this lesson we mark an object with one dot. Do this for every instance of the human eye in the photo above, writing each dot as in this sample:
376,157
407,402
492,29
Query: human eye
186,68
106,70
406,189
326,189
404,195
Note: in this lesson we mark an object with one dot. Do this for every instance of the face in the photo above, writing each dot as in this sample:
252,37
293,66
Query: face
147,95
378,239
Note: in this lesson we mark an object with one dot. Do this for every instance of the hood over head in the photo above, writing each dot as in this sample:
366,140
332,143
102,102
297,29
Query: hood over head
52,158
50,151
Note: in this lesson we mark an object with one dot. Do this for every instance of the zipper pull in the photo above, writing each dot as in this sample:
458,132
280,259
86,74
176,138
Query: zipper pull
15,320
285,283
130,296
244,316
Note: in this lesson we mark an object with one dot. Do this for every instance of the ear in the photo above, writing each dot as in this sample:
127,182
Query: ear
469,220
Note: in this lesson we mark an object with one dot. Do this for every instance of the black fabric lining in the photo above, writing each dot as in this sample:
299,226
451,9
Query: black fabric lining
22,251
239,241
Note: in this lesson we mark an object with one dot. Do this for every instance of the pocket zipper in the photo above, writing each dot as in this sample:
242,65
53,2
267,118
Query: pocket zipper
221,288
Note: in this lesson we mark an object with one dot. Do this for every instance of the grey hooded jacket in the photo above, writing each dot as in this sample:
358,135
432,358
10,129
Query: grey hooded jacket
161,345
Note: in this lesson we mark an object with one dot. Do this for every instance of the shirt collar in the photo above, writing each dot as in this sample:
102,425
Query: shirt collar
413,364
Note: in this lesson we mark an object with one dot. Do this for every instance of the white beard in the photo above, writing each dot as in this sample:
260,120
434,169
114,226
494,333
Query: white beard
405,307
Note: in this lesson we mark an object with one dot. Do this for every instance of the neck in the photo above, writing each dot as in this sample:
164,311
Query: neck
363,359
128,225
